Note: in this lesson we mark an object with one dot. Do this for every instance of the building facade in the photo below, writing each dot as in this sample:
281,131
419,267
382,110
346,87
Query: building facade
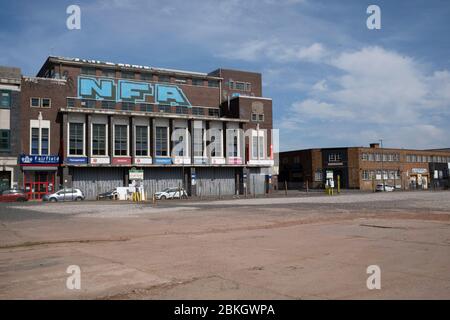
86,124
365,167
10,84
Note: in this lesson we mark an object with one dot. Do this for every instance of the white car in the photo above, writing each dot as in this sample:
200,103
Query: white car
386,188
171,193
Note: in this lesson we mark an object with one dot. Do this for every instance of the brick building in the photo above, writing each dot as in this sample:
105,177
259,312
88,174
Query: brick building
364,167
10,128
86,124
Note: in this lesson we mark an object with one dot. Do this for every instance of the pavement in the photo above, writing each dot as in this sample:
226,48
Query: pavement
294,247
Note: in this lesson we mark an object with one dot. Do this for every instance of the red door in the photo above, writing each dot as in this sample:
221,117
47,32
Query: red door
38,183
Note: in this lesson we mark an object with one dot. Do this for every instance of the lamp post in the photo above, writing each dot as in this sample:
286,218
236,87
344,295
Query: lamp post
382,165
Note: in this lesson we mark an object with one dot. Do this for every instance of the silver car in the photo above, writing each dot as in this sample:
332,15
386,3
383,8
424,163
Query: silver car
171,193
65,195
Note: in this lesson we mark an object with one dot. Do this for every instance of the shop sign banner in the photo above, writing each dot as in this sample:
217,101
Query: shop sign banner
163,161
136,174
76,160
40,160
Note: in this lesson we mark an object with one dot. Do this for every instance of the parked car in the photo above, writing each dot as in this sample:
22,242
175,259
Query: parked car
111,194
385,188
64,195
13,195
171,193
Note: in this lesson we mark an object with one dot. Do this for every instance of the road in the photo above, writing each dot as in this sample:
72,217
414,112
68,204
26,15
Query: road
303,247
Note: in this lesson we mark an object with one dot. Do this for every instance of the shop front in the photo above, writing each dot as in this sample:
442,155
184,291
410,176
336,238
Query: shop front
39,175
419,179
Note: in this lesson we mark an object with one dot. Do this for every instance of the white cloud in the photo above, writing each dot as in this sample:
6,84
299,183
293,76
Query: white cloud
311,108
378,93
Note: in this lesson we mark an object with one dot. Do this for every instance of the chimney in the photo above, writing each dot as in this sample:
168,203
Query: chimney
374,145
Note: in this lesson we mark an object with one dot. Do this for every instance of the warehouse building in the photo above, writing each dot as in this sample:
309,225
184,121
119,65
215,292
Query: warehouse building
365,167
98,125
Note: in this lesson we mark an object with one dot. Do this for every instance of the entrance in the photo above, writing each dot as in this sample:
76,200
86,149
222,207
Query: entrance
38,183
5,180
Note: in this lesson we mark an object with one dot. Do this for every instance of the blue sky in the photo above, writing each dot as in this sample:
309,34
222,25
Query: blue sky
333,81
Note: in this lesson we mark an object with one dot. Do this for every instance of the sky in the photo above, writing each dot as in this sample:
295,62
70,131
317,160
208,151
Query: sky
333,81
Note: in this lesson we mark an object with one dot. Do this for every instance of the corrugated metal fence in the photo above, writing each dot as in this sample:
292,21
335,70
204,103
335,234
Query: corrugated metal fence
215,182
93,181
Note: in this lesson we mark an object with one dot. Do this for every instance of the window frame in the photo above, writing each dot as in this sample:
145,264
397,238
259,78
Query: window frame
8,140
93,149
83,141
147,141
127,154
8,92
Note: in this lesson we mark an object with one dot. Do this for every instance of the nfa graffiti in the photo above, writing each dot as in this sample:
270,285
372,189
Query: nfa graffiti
130,91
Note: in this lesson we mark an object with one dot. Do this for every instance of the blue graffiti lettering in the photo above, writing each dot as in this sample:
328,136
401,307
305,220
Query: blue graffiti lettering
134,91
92,88
171,94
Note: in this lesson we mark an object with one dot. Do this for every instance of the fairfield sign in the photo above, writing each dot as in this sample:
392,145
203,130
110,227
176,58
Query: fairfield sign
130,91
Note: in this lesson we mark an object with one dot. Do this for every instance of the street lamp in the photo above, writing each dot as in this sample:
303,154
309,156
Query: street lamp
382,163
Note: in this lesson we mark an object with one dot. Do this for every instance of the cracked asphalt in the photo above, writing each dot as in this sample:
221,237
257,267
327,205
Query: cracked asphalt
304,246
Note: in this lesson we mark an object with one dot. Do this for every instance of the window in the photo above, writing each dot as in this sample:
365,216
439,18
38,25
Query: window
76,139
162,78
128,106
5,99
196,111
235,146
213,112
181,80
240,86
318,175
181,110
146,76
127,75
110,73
377,156
164,108
46,103
88,71
106,104
365,157
334,157
366,175
98,139
371,157
141,141
248,87
413,158
146,107
178,141
161,147
34,140
5,140
35,102
232,139
88,103
70,103
257,117
213,83
198,142
231,84
44,141
215,144
120,140
197,82
258,147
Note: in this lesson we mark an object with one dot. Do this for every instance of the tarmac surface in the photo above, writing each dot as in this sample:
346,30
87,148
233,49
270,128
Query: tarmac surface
304,246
